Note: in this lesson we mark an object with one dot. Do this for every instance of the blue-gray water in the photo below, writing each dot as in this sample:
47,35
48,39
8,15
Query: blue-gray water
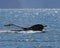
26,18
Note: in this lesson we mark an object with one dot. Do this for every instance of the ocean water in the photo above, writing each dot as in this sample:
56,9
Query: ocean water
26,18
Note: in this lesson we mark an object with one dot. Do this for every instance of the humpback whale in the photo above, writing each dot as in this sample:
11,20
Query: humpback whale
36,27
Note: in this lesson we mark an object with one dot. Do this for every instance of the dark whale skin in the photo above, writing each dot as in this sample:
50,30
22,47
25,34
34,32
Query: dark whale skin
37,27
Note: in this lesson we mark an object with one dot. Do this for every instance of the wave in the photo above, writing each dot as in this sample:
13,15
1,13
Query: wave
24,32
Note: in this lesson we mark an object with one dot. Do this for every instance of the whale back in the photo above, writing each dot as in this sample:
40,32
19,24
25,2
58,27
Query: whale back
37,27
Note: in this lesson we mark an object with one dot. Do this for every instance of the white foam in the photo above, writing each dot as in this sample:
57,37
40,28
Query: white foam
24,32
1,31
30,31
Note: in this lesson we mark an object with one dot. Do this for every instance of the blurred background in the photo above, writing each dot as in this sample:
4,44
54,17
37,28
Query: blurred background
26,18
29,3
